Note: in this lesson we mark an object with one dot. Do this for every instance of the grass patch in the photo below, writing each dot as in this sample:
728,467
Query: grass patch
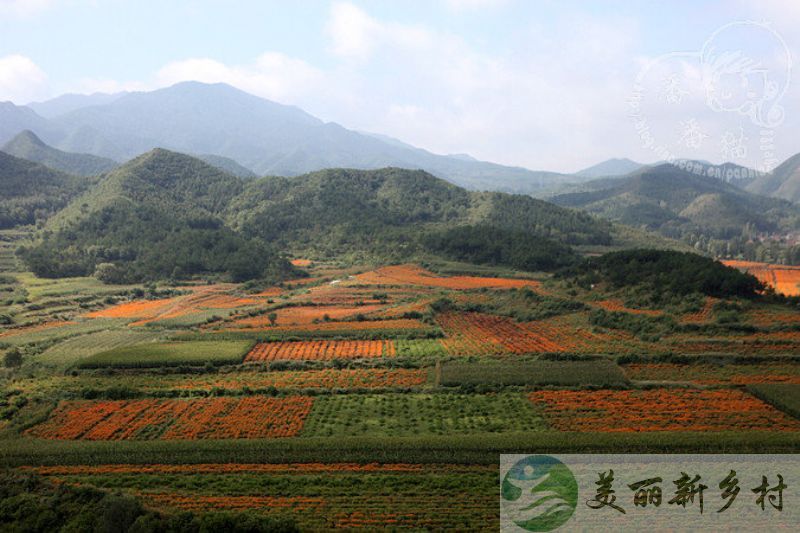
171,354
600,372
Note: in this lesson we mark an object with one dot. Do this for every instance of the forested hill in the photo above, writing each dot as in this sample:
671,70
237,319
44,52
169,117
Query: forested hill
168,214
351,208
30,193
158,216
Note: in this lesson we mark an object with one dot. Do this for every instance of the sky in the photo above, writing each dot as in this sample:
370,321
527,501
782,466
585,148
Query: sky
556,85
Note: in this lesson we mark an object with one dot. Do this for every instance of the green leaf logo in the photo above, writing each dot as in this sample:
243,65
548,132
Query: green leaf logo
539,493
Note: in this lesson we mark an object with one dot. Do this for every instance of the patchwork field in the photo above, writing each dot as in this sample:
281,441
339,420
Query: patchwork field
364,398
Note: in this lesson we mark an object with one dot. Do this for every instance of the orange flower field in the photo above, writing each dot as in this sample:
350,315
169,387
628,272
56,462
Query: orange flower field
217,418
304,316
320,350
659,410
480,334
137,309
784,279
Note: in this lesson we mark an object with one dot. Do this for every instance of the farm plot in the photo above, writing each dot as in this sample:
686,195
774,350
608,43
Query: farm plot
415,275
784,396
252,381
289,317
320,350
420,348
418,414
480,334
33,328
76,348
659,410
784,279
60,330
776,343
708,374
170,354
392,327
564,373
147,419
135,309
328,378
349,496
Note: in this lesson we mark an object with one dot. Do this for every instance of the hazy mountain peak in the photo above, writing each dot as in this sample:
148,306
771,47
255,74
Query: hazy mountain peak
611,167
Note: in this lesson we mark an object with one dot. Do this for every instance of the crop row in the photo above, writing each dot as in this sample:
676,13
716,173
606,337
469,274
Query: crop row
320,350
218,418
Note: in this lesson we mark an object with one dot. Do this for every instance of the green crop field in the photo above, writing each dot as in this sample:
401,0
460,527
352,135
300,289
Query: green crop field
599,372
421,348
784,396
420,414
170,354
78,348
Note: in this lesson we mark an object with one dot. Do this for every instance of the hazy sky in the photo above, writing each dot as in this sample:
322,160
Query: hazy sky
545,85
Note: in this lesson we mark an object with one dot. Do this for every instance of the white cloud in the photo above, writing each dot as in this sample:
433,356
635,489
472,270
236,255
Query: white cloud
21,80
23,8
464,5
355,34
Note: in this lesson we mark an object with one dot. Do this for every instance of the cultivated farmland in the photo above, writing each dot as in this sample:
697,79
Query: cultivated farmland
392,383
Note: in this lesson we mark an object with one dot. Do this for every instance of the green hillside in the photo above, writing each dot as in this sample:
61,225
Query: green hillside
165,214
28,146
30,193
155,217
388,209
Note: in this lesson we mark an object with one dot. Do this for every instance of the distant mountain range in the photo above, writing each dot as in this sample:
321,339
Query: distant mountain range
783,182
677,202
249,136
260,135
